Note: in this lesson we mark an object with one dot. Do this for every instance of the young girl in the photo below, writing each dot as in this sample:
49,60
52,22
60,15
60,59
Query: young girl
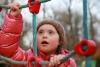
50,39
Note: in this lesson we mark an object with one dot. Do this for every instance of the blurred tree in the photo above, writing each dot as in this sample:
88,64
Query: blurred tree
93,20
70,21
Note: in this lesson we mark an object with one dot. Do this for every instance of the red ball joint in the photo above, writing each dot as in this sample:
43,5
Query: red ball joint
85,48
36,60
0,9
34,8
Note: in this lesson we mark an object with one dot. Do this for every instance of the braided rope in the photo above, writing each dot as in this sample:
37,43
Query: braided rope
85,29
22,6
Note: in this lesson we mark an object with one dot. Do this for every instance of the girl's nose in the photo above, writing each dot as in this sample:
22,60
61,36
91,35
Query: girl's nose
45,35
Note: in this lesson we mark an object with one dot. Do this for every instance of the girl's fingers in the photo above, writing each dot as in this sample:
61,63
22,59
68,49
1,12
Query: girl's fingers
14,9
55,60
14,6
58,60
51,62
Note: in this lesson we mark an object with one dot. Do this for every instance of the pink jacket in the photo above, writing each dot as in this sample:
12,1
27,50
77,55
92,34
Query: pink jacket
10,34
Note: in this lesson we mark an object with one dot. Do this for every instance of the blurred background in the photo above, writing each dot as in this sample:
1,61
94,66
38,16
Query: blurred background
70,15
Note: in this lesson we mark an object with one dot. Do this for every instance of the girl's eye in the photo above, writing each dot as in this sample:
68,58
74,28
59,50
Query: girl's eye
40,32
51,32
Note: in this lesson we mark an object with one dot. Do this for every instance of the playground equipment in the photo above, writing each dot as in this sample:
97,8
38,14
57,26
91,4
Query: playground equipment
84,48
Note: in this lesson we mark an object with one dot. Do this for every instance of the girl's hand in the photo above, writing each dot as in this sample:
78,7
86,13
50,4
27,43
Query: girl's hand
14,9
55,60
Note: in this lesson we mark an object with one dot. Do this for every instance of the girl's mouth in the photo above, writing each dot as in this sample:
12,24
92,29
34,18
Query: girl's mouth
44,42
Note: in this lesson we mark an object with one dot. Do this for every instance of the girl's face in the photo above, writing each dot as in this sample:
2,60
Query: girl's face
47,38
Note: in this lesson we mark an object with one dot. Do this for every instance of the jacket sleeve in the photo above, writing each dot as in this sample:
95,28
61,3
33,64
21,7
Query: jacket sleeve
68,63
10,33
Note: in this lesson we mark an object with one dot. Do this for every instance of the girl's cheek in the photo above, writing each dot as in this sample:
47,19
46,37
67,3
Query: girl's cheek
54,41
38,39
